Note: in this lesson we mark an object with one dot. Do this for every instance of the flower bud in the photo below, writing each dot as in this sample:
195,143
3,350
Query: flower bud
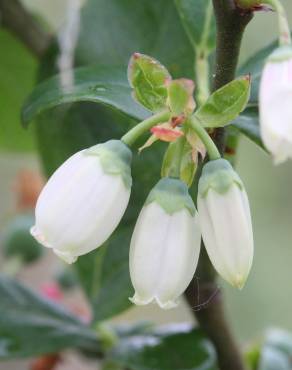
84,200
165,245
225,221
275,104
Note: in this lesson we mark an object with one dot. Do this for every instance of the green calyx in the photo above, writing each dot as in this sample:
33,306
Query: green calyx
219,176
172,195
115,158
281,54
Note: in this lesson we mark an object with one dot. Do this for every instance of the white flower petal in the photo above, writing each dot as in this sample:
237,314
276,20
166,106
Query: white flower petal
79,207
163,255
227,233
276,109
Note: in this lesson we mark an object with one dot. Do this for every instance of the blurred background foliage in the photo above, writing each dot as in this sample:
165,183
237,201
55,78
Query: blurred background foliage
266,300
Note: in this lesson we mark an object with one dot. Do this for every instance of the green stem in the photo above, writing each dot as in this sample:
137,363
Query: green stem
202,54
202,74
284,29
131,136
211,148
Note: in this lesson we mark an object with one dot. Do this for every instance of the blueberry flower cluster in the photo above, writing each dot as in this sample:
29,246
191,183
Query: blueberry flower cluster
85,199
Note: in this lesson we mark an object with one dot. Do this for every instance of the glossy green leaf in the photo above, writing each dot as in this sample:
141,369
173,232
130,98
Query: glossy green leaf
31,325
108,284
225,104
115,283
99,84
176,347
88,268
149,79
248,124
198,20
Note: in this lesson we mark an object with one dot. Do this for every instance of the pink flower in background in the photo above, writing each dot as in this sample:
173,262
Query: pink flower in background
52,291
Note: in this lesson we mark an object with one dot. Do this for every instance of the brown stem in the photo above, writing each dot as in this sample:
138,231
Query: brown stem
206,300
231,22
21,23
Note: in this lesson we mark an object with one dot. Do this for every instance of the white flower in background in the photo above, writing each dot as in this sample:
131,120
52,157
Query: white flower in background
225,221
84,200
165,245
276,104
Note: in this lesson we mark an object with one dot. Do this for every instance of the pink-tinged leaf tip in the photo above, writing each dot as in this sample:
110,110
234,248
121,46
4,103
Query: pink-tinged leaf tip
137,55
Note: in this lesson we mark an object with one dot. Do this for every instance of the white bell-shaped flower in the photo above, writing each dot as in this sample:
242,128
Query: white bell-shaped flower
225,221
165,245
275,104
84,200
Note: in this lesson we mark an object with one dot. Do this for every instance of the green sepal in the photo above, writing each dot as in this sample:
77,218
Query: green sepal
219,176
179,150
148,78
115,158
172,195
280,54
169,165
188,166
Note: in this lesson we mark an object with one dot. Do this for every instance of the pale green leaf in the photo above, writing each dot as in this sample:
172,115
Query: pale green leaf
225,104
180,96
148,78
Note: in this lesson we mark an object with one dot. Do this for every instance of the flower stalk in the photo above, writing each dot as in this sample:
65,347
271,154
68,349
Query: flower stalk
211,148
203,69
131,136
